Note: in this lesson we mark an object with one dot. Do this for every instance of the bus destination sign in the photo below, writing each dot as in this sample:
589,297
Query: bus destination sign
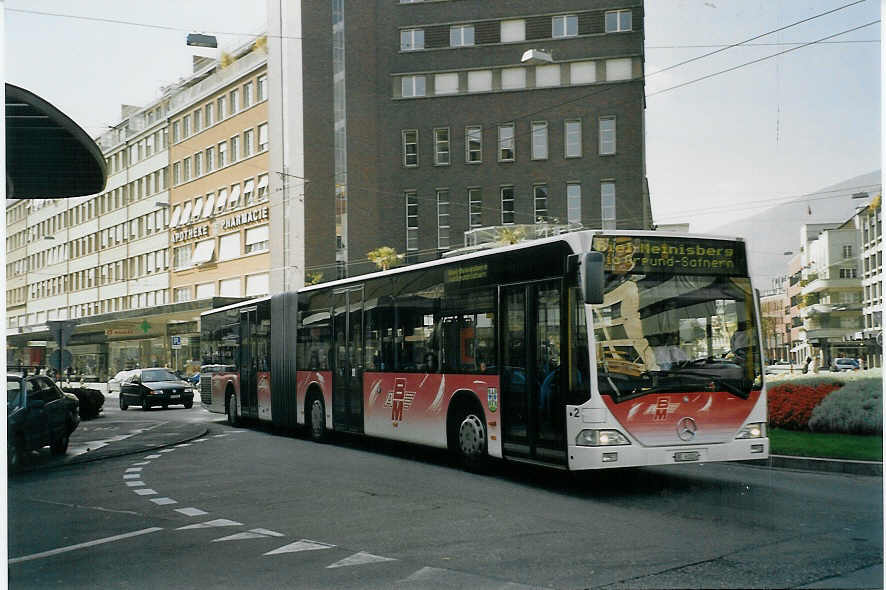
649,254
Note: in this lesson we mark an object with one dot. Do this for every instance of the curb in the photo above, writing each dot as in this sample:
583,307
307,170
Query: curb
848,466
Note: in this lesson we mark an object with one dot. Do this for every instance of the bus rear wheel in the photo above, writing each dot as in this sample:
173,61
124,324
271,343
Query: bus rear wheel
316,418
471,442
232,410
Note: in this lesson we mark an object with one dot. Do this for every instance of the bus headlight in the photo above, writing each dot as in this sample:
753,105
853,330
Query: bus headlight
752,430
601,438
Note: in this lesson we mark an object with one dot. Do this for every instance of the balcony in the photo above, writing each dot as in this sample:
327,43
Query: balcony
821,309
825,284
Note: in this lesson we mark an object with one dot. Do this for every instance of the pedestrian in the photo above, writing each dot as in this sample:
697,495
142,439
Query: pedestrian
806,364
861,363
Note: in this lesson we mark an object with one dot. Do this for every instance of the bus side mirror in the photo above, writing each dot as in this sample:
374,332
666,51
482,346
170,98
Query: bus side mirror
592,277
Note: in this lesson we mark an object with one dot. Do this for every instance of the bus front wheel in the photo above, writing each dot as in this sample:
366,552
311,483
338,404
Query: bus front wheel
317,420
472,442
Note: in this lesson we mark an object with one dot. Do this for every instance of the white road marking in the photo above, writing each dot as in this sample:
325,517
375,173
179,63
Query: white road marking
303,545
210,524
153,456
165,450
240,537
267,532
145,492
134,484
359,559
163,501
132,476
201,440
183,445
237,431
142,463
191,511
219,435
133,469
83,545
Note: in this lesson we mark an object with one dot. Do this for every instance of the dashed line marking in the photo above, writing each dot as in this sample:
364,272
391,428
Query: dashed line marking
132,476
165,450
142,463
153,456
303,545
133,469
267,532
210,524
219,435
84,545
183,445
163,501
201,440
191,511
145,492
359,559
240,537
134,484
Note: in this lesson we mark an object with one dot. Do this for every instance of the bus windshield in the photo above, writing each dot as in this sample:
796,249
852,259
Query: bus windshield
663,332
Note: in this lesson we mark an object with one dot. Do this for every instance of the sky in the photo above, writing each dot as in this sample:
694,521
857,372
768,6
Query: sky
761,134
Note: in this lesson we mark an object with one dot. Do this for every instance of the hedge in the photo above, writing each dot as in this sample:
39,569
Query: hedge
791,403
856,408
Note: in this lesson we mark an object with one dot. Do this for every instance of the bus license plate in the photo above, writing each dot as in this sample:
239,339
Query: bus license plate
681,456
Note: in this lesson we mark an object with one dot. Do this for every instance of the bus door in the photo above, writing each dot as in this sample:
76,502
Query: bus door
248,360
532,405
347,389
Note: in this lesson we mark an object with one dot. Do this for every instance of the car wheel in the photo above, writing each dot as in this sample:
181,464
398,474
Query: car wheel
189,405
15,453
165,406
232,410
472,441
146,405
317,420
123,404
60,445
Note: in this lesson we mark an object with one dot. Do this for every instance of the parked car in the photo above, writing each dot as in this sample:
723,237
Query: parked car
115,381
781,367
155,387
845,364
38,413
91,401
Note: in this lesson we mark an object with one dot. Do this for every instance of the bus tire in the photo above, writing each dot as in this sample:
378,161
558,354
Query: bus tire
231,410
468,430
315,417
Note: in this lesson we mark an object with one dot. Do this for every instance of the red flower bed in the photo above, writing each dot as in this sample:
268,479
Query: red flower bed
791,404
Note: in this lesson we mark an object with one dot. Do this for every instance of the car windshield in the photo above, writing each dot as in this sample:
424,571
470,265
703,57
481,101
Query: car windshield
155,375
664,332
13,393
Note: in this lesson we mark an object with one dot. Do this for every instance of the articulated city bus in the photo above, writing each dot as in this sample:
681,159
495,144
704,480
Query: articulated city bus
582,351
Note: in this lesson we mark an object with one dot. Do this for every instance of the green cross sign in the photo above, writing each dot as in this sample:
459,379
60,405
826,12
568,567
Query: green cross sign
145,326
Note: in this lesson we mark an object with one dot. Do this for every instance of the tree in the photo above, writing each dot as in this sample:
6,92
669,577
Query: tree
313,278
385,257
510,235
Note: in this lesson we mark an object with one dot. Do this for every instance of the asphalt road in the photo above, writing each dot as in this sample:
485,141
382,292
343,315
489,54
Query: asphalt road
249,508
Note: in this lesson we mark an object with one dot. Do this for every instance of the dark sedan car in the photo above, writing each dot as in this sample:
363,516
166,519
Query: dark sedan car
38,413
155,387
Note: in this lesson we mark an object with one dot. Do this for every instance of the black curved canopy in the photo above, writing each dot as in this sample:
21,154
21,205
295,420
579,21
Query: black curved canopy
48,156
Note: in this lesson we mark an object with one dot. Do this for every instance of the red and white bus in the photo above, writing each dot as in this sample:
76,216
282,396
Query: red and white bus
583,351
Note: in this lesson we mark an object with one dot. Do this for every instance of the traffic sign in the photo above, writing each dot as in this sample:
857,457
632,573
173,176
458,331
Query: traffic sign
176,342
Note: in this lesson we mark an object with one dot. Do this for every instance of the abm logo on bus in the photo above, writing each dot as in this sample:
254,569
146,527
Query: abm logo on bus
399,400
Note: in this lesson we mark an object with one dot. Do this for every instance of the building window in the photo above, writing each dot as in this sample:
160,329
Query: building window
473,144
220,107
222,154
475,207
176,131
235,148
248,142
411,221
235,102
177,173
262,88
210,159
248,192
607,136
222,200
461,35
257,239
229,287
207,114
441,146
513,30
443,219
229,246
445,83
847,251
410,148
198,116
513,78
546,76
618,69
247,95
480,81
181,294
412,39
572,138
540,197
573,203
181,256
607,203
205,291
262,188
848,273
506,143
186,170
234,201
257,285
507,205
539,140
412,86
618,21
564,26
263,137
198,164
